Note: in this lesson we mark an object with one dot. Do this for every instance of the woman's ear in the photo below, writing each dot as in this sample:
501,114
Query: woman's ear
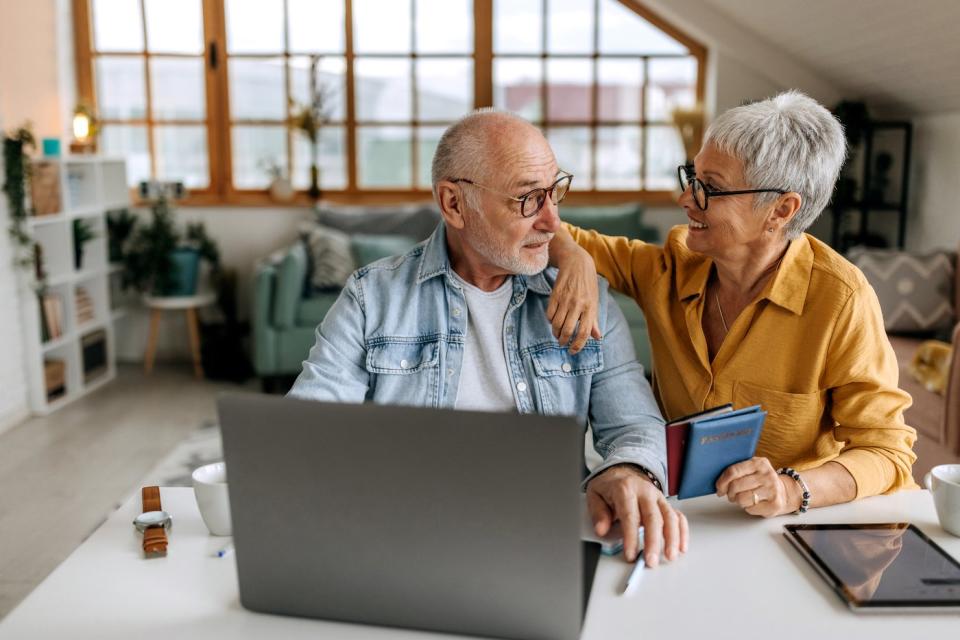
450,199
783,211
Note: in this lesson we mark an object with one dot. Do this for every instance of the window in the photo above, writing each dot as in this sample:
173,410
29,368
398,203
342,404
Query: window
204,90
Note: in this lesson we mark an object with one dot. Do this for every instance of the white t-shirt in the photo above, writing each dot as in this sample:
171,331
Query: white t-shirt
484,376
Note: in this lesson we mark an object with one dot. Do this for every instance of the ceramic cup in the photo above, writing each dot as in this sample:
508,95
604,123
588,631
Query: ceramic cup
943,482
210,488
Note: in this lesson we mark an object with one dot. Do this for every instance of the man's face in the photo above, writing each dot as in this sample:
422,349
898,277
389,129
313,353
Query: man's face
497,231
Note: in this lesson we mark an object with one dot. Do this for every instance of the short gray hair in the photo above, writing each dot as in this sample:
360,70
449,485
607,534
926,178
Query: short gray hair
464,150
789,141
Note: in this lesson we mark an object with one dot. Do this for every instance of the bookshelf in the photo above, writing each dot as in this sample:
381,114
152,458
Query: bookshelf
69,330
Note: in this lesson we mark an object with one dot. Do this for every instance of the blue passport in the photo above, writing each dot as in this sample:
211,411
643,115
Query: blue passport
716,442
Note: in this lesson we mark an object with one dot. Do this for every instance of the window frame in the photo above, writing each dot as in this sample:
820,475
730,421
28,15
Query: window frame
221,192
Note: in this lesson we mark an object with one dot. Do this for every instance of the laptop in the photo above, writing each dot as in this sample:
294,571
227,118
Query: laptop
461,522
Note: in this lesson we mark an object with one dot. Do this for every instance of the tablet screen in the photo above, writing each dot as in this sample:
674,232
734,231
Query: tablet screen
881,565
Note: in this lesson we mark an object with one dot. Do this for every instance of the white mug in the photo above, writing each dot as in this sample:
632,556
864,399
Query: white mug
943,481
210,488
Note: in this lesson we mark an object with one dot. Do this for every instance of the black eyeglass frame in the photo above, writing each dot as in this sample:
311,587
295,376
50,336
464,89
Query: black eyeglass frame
540,201
687,177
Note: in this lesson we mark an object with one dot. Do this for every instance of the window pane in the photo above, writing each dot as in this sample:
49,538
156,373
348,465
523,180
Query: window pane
383,89
255,149
331,79
117,25
315,25
618,158
174,26
570,26
381,27
257,89
121,89
444,26
516,86
571,145
254,26
444,88
621,84
623,31
427,139
128,142
569,83
384,155
518,26
182,155
664,154
672,84
332,156
177,88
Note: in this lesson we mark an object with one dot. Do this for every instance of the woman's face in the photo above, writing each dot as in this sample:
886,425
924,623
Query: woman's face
730,226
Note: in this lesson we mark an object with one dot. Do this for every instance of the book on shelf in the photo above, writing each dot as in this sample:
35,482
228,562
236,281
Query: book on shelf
85,312
45,188
94,351
54,378
51,316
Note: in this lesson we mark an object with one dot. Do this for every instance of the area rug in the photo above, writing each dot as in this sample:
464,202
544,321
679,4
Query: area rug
201,447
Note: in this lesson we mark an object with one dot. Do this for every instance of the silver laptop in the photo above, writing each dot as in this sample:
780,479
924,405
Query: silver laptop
460,522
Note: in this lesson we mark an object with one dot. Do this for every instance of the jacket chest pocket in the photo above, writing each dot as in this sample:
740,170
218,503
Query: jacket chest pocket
404,373
564,380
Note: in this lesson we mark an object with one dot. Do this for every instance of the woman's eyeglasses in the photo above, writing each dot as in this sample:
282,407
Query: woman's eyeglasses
702,193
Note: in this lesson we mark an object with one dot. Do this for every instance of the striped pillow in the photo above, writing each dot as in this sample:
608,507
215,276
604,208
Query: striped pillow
331,261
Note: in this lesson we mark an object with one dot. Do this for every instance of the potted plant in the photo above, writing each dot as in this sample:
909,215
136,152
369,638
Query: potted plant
309,118
120,224
82,234
162,261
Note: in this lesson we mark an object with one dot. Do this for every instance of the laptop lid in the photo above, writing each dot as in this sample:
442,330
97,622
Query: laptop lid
462,522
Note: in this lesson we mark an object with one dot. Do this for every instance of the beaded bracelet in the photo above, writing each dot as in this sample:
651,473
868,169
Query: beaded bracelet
805,503
650,476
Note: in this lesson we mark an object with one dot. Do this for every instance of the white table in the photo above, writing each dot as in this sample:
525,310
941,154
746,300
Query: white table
740,579
189,304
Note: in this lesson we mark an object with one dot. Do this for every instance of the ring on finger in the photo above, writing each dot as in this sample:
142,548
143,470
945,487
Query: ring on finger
756,498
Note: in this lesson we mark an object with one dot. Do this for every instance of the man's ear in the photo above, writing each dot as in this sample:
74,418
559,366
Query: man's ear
784,209
452,205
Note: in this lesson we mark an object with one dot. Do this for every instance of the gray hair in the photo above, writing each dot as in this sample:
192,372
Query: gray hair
464,150
789,141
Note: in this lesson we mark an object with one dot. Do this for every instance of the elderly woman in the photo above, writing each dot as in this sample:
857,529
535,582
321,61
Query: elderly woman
744,307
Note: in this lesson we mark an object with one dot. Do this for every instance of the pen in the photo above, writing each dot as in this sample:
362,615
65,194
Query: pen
227,550
634,579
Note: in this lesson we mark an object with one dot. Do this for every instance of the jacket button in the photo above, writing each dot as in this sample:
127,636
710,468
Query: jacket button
521,386
566,367
456,313
404,364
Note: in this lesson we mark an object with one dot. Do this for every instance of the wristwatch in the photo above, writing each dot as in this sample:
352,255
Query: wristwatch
153,523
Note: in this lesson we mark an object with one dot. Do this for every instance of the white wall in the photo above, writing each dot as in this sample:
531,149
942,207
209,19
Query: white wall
932,220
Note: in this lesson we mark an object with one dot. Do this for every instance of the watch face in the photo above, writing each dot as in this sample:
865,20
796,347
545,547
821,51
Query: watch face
152,519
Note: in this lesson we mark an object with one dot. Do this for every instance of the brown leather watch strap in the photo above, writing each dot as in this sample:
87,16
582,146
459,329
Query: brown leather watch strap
154,538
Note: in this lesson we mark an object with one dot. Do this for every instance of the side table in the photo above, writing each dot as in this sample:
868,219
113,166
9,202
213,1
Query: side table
190,304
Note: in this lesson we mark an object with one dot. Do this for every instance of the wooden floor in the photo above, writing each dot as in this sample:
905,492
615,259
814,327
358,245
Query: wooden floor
61,475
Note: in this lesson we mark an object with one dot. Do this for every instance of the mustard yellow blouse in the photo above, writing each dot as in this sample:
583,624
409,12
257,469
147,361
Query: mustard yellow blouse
811,349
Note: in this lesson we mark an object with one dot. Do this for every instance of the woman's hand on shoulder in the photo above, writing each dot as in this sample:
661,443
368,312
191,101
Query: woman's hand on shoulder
758,489
574,303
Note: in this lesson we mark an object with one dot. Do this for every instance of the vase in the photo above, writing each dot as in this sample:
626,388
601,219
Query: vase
314,190
281,190
78,258
186,267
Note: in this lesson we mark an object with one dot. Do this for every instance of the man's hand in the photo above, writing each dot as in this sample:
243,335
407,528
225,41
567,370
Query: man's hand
757,487
624,493
572,310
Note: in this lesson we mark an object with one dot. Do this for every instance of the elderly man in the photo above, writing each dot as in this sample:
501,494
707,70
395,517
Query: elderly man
460,322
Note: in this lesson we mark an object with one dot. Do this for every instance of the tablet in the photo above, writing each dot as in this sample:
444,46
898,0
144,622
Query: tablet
880,567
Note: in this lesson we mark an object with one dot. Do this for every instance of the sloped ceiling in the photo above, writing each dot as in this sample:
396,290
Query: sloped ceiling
901,56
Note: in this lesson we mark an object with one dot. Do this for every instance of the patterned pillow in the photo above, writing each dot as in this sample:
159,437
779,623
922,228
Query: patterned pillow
331,261
915,291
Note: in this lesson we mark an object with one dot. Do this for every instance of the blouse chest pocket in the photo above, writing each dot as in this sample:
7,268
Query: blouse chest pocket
793,422
555,361
402,357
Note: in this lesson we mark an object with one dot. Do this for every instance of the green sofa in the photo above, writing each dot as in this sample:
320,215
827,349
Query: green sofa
284,319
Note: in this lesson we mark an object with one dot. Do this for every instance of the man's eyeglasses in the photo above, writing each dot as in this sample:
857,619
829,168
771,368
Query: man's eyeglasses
702,193
532,201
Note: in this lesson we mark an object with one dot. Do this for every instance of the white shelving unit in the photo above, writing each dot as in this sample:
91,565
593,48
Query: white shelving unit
89,187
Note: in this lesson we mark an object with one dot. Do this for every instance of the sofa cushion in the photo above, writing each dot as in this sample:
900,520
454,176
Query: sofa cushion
416,221
915,291
312,310
330,258
370,247
289,290
620,220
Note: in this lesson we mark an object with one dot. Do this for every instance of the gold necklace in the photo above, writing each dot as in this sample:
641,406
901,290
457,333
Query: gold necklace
716,297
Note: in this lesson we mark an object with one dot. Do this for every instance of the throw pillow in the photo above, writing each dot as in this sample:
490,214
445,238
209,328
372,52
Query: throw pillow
915,291
331,261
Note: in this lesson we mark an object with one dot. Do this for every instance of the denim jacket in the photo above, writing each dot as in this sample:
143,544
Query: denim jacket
397,332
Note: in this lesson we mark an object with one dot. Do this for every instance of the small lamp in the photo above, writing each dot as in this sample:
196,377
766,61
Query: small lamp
84,131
